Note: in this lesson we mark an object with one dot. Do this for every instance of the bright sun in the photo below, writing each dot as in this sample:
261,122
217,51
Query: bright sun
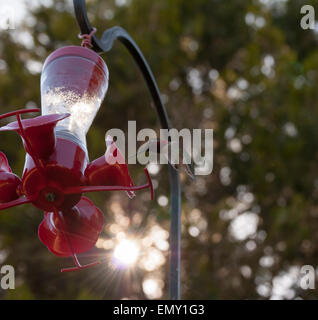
126,252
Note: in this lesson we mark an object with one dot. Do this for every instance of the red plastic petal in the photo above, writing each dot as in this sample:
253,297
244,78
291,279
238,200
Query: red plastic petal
110,169
39,133
9,182
78,232
4,164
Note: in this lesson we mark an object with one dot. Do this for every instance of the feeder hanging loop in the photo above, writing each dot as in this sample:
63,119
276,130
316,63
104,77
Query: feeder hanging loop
87,38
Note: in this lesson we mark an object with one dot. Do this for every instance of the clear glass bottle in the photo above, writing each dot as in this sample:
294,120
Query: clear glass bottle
74,80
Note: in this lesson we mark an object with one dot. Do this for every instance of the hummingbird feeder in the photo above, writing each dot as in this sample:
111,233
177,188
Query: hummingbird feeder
57,170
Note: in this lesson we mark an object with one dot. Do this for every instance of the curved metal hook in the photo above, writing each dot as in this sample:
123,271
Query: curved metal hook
103,45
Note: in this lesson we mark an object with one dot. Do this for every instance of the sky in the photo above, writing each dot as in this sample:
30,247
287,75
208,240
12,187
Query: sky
19,7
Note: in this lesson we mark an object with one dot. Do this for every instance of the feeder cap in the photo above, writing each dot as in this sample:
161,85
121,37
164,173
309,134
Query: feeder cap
80,52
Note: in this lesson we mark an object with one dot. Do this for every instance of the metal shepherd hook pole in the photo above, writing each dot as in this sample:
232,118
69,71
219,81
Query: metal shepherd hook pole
103,45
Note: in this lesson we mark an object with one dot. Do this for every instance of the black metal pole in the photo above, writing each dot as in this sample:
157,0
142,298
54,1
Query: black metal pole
103,45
